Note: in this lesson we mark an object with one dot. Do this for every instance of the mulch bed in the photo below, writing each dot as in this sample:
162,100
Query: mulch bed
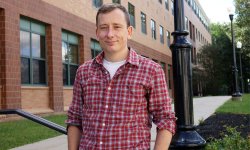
215,125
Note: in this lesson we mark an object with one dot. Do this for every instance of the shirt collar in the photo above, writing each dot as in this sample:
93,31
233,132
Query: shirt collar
133,58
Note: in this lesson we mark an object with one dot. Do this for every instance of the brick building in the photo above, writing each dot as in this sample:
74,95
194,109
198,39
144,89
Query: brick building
42,42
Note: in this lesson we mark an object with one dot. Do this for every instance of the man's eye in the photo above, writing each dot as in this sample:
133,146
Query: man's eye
103,28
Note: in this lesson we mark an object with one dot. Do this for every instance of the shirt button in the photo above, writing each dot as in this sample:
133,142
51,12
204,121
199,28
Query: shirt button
101,143
109,88
103,124
106,106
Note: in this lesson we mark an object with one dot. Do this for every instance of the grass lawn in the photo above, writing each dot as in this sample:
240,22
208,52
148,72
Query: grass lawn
21,132
236,107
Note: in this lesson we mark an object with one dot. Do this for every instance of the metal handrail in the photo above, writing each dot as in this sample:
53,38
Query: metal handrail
36,119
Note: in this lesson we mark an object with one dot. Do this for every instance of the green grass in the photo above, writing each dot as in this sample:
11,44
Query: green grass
236,107
21,132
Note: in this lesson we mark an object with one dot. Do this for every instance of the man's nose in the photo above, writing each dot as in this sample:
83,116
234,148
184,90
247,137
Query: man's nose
110,32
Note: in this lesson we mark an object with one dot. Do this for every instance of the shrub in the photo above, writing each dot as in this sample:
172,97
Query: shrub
231,141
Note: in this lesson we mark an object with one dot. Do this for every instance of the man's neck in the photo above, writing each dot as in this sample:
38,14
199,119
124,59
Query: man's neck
116,57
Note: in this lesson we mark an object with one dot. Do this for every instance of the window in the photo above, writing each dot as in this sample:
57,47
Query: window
33,52
153,29
169,76
172,7
97,3
167,4
163,66
186,23
117,1
131,11
193,33
168,38
95,48
161,35
143,23
190,30
69,57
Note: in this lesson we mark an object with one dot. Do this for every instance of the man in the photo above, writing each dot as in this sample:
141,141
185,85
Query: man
116,93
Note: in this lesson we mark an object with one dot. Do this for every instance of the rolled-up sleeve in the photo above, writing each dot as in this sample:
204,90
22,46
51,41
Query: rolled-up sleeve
160,102
75,109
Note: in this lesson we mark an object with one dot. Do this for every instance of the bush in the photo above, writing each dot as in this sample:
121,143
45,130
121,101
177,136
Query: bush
231,141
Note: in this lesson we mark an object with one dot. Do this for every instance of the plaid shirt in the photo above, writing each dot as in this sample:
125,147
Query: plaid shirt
115,113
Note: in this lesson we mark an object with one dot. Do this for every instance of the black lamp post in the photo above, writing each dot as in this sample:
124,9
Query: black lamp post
236,93
239,45
186,136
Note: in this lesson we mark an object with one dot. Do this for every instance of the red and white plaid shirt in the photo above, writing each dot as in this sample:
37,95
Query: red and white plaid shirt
115,113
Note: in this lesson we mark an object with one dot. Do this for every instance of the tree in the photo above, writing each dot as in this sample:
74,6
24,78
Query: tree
216,62
243,33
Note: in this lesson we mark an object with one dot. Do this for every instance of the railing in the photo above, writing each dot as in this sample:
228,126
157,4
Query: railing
36,119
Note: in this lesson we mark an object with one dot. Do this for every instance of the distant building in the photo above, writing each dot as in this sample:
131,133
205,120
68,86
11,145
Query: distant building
42,43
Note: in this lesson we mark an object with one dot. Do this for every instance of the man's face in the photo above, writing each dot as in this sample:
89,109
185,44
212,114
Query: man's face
112,31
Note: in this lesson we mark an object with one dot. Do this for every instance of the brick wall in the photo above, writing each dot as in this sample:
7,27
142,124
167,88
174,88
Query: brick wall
2,46
54,96
10,59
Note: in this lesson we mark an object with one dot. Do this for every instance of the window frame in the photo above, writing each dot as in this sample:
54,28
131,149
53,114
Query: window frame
131,12
153,29
161,34
68,63
143,25
96,49
96,3
26,25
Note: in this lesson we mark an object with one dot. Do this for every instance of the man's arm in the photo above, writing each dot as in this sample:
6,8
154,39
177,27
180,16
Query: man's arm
163,140
74,136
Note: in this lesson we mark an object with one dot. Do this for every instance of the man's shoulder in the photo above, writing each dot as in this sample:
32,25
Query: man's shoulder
86,65
148,63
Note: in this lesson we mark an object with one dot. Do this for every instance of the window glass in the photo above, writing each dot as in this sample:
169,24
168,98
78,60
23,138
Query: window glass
161,34
25,70
97,3
117,1
73,53
169,77
131,11
73,69
38,46
153,29
143,23
167,4
33,52
38,72
95,48
168,38
25,43
69,57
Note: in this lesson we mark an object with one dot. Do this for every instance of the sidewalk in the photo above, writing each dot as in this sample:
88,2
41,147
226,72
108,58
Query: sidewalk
203,108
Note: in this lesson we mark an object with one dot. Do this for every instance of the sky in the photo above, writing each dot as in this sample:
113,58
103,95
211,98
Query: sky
217,10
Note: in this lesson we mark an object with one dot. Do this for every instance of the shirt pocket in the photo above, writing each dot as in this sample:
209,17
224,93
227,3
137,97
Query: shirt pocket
92,93
133,95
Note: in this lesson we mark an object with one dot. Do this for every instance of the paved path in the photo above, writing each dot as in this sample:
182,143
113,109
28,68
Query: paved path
203,108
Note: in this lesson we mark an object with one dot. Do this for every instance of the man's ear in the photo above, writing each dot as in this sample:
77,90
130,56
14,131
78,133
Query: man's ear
130,31
96,33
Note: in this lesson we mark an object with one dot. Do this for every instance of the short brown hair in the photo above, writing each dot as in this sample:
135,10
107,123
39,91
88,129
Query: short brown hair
106,8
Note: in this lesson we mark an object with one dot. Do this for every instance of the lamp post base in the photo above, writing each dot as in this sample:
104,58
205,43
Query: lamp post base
237,96
188,139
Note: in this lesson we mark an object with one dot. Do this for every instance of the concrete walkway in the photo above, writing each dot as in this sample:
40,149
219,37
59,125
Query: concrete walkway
203,108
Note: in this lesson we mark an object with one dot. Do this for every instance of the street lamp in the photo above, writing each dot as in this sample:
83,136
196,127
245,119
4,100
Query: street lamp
186,137
236,93
239,45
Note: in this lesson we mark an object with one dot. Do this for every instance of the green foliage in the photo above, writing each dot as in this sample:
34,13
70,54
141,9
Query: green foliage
231,141
216,61
236,107
21,132
242,8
